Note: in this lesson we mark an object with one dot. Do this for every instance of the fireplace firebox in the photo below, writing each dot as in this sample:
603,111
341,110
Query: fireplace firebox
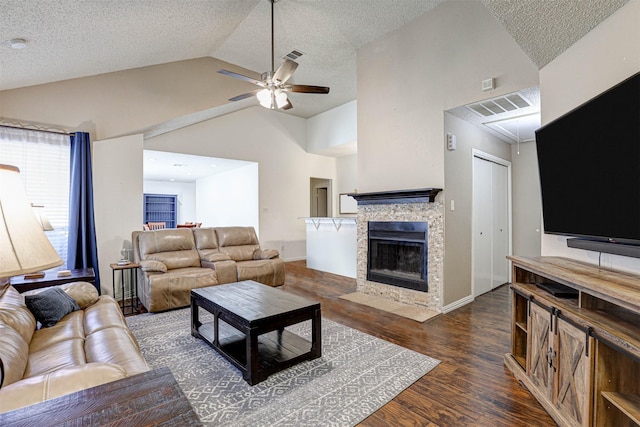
397,254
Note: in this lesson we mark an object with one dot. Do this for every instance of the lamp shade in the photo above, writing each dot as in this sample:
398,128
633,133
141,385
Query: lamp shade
24,248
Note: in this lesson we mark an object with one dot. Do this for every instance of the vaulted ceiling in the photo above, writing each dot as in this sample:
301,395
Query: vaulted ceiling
71,38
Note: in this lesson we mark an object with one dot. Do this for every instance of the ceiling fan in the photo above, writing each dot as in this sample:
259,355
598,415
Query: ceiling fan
274,85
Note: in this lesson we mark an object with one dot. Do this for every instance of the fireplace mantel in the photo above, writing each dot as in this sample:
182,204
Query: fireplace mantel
420,195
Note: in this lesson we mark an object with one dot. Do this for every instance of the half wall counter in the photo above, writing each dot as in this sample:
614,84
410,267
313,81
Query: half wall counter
332,245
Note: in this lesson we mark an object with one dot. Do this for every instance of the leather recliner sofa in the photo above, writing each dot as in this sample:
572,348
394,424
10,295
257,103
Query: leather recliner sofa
174,261
85,348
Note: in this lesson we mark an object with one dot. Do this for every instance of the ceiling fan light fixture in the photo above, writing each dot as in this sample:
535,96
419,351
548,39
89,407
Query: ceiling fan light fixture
281,98
264,97
273,94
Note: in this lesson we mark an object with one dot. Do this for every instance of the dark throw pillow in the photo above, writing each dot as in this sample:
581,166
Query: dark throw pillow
49,306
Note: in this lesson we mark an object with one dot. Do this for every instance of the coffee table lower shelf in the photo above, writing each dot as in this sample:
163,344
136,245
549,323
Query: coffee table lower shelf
277,350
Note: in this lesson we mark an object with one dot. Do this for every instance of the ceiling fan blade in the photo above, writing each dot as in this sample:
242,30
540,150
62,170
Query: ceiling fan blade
241,77
306,89
284,72
245,95
287,106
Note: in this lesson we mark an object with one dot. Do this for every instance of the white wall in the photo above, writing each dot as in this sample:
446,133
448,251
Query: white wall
277,143
333,131
409,77
347,172
186,192
117,200
229,198
604,57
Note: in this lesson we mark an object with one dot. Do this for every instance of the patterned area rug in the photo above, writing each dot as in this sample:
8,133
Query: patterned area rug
356,375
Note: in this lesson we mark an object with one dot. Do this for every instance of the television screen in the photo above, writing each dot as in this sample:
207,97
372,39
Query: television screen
589,163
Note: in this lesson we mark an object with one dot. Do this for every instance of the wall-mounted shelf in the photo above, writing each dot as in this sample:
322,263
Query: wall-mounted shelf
399,196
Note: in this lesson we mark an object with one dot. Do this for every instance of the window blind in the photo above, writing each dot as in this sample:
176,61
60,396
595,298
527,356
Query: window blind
43,159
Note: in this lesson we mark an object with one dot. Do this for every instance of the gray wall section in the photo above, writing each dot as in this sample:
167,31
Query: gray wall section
527,205
459,187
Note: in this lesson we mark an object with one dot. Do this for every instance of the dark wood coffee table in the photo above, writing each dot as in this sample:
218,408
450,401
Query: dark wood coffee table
248,327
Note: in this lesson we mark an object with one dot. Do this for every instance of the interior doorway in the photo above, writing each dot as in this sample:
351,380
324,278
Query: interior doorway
320,198
491,221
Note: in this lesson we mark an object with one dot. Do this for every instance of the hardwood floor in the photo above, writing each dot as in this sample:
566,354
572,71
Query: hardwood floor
470,387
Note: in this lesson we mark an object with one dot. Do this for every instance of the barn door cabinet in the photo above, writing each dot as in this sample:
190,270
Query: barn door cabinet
575,341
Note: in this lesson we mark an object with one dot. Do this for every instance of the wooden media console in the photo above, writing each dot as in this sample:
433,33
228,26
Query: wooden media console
575,340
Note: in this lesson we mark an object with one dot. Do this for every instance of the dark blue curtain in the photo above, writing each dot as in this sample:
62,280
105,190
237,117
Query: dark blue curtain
82,247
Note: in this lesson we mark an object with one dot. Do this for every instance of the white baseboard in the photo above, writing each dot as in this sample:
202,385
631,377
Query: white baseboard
301,258
457,304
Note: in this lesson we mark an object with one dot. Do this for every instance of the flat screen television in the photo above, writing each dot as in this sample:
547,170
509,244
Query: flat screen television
589,164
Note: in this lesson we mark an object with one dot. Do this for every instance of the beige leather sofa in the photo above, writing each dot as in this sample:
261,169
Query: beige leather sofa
174,261
86,348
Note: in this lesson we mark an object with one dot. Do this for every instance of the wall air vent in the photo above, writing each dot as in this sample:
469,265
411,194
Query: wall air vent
293,55
502,104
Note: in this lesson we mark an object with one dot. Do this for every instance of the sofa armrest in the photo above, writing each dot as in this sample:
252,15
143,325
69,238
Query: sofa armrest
37,389
265,254
153,266
226,271
213,256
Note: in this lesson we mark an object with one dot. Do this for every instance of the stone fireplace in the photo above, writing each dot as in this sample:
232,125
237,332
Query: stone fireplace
413,246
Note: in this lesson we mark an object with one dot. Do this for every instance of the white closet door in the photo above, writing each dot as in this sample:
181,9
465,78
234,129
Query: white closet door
490,225
482,226
500,236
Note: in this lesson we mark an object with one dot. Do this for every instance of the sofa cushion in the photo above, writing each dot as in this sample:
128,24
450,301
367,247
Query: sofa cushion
173,288
69,327
238,242
14,353
174,247
268,272
63,354
84,293
205,238
106,313
47,386
51,305
118,346
15,314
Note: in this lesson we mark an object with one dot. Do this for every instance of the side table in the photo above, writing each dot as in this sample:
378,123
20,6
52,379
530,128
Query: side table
132,268
51,278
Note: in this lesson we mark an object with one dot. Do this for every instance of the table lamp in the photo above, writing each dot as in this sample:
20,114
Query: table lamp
24,247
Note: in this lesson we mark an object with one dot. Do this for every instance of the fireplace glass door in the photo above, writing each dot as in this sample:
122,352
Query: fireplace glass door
397,254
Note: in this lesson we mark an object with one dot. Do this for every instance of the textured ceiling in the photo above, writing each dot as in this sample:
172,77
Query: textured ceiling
72,38
546,28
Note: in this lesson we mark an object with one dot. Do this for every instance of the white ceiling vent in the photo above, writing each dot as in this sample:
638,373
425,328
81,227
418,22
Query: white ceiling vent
293,55
502,104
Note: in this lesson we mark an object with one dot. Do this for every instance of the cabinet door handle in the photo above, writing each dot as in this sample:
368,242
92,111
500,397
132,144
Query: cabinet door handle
586,341
549,357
